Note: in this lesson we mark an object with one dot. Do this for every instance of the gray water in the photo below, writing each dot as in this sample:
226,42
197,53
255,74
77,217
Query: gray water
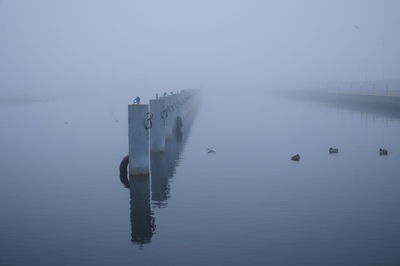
62,202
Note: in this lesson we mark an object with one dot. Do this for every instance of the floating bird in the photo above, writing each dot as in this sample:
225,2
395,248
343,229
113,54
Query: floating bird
210,150
66,123
356,27
116,121
333,150
383,151
296,157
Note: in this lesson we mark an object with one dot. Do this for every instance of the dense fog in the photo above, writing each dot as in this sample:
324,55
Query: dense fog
50,48
288,155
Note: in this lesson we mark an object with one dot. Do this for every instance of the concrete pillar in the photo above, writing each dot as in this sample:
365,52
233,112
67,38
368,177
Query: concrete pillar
186,105
174,113
169,120
139,156
181,110
157,132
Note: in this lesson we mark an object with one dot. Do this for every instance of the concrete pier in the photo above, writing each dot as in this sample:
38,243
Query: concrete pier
169,121
174,114
149,131
138,132
150,189
158,130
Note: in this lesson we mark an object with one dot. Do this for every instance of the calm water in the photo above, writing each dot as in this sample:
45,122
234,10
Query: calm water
62,202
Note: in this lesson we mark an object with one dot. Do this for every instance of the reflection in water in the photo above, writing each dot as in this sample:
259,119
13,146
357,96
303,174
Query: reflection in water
142,220
156,186
163,169
387,107
160,187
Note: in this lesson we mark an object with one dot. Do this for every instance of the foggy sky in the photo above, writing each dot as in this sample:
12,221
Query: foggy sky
51,46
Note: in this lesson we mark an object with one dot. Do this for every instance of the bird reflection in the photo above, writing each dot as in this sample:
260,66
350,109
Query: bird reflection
154,190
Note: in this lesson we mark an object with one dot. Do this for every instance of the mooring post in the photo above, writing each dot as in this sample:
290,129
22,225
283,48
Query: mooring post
139,124
180,113
157,133
169,120
176,110
186,104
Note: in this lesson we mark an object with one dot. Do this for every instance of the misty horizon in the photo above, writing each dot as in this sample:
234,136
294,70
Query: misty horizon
62,47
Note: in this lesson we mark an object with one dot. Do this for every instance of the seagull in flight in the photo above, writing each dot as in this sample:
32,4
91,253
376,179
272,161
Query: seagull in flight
211,150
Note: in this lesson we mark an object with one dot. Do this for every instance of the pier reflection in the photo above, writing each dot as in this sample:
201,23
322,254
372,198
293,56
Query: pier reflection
153,191
163,166
387,107
142,219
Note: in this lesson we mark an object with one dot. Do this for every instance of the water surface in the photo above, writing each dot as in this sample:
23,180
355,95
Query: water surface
62,202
